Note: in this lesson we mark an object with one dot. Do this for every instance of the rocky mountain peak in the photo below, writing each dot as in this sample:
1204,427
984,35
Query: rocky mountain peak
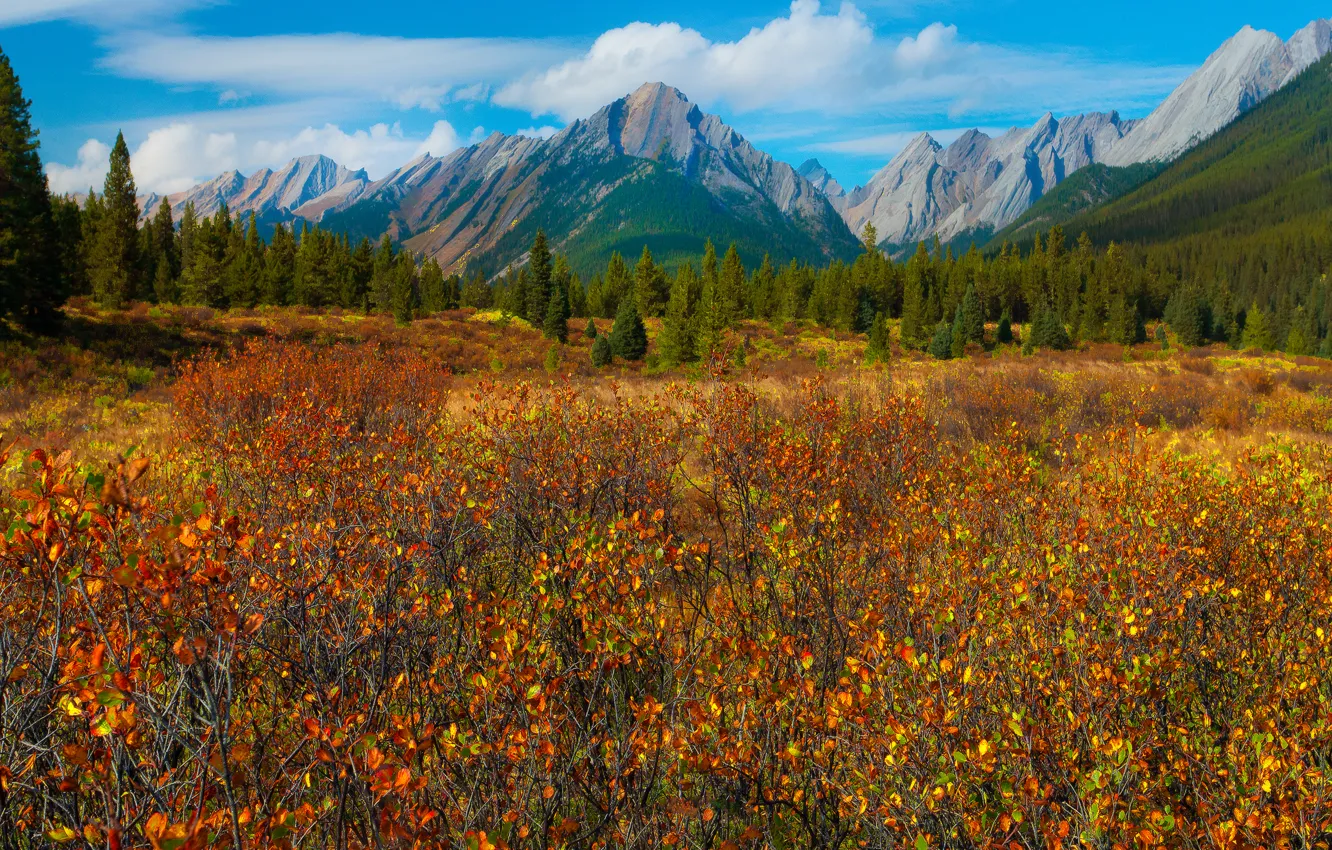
820,179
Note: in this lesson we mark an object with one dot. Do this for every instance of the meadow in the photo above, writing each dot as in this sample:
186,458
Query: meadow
294,578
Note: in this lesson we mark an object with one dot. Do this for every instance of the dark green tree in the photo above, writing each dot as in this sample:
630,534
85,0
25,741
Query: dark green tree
879,349
114,268
32,286
602,353
556,323
650,284
628,338
538,281
973,316
434,297
678,328
941,346
1003,334
1257,329
1048,331
958,333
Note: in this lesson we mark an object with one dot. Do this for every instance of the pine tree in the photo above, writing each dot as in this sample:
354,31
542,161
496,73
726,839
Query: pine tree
577,298
628,337
553,359
973,316
650,285
879,349
162,231
1004,332
618,285
381,276
677,333
538,282
279,266
914,298
434,297
556,322
403,296
602,355
32,286
959,334
1048,331
590,331
941,347
1122,324
114,264
1257,333
732,287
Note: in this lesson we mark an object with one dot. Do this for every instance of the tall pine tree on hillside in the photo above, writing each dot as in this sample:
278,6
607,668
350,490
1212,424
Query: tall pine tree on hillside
732,287
113,263
32,286
678,329
538,288
555,325
628,337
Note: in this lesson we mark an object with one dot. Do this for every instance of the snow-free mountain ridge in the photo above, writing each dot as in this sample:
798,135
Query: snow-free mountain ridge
473,202
980,185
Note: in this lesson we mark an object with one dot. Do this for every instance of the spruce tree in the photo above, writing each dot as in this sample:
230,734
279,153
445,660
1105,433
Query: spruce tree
1257,332
628,337
879,349
650,285
403,297
1297,344
941,347
114,264
1048,331
162,232
601,352
577,298
279,266
732,287
538,281
973,316
677,333
958,333
556,323
590,331
32,286
914,298
434,298
1122,325
618,285
1004,332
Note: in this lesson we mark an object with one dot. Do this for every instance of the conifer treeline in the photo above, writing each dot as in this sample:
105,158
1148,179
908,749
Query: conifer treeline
50,248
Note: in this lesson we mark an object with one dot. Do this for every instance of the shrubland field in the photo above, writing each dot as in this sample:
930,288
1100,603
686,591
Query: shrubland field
360,585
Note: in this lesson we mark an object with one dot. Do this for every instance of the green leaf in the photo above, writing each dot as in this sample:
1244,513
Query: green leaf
922,843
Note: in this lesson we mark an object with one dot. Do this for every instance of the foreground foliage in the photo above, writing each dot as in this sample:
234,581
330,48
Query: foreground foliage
351,611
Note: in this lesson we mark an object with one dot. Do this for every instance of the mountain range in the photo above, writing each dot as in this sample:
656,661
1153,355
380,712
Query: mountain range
979,185
652,168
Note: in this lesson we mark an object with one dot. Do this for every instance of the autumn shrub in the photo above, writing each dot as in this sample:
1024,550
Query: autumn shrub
344,611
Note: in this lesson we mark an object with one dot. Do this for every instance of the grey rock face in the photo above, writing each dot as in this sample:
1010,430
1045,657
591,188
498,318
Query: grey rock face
982,183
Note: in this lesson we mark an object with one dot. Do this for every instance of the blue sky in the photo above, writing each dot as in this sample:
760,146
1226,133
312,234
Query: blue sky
203,86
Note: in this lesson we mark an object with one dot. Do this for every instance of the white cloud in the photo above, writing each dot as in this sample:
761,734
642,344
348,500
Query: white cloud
785,63
816,63
408,72
932,48
174,158
181,155
538,132
100,12
88,173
